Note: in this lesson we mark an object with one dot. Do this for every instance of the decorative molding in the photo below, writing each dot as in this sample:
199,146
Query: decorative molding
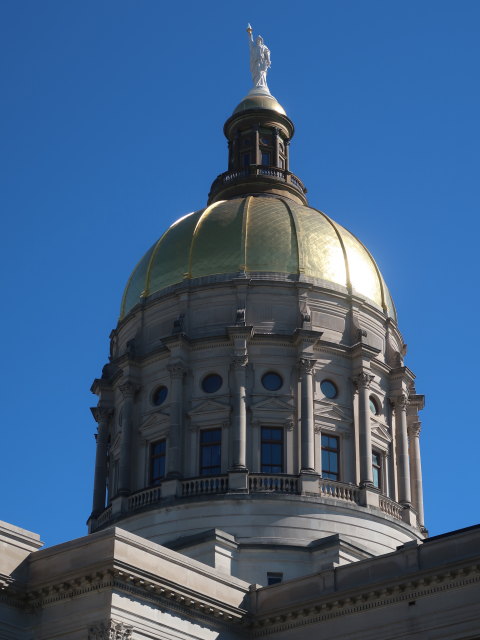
177,370
333,411
363,380
272,403
289,424
306,365
239,361
400,401
414,429
128,389
101,414
110,630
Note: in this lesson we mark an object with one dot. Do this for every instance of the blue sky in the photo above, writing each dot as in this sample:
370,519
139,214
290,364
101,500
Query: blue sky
111,116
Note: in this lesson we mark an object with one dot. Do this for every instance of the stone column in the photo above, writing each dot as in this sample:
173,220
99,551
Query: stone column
174,461
102,416
363,381
239,364
306,416
416,470
276,147
125,466
403,462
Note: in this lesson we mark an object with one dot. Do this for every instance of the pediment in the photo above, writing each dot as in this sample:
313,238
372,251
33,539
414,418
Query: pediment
272,404
154,419
332,411
381,432
209,405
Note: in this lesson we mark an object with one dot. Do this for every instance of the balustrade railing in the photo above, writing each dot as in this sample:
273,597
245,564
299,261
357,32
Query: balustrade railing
144,498
200,486
272,483
390,507
230,177
338,490
104,517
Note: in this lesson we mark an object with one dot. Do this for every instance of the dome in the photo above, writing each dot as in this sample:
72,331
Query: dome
259,98
258,236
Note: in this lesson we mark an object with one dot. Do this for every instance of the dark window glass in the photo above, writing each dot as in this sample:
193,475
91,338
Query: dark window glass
265,158
246,160
274,578
246,142
267,140
272,450
330,457
376,468
212,383
159,395
329,390
373,406
210,452
272,381
157,461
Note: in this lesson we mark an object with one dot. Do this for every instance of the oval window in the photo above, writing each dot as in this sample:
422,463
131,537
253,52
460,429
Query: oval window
373,406
212,383
329,389
272,381
159,395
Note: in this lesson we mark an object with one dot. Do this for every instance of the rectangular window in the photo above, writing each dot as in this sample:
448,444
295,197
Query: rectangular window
272,450
157,461
265,159
246,160
330,457
376,469
274,578
210,452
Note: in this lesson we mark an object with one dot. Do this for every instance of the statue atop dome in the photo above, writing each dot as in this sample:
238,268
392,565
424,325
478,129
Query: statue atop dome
259,60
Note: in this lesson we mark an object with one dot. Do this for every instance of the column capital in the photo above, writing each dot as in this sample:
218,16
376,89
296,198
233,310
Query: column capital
128,389
306,365
101,414
363,380
177,370
239,361
400,401
414,429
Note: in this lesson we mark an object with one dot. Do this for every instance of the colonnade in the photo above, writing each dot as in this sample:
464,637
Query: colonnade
406,444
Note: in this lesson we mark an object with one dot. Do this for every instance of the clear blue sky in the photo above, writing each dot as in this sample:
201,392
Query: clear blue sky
111,116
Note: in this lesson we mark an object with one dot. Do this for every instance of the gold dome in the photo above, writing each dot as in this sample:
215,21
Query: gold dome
264,235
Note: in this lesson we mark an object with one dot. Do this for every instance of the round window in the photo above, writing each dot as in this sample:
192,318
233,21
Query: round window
272,381
329,390
212,383
159,395
373,406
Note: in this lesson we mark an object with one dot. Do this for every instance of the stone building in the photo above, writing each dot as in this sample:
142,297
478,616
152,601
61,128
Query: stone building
257,463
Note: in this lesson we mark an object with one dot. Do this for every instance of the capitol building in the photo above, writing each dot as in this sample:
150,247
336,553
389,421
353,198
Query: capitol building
257,466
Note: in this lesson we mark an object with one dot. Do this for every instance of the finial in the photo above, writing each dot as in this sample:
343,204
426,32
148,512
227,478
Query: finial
259,60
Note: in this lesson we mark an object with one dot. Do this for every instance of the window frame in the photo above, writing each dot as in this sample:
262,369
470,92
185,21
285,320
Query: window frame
157,480
334,451
378,468
273,442
202,446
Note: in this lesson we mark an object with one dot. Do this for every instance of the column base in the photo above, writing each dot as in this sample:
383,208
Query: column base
171,488
238,481
409,516
369,496
308,482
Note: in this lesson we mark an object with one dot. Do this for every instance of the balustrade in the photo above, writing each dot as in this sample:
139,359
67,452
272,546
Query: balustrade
103,518
390,507
339,490
200,486
272,483
144,498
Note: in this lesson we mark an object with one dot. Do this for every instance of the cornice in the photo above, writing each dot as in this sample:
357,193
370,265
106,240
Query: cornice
342,603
